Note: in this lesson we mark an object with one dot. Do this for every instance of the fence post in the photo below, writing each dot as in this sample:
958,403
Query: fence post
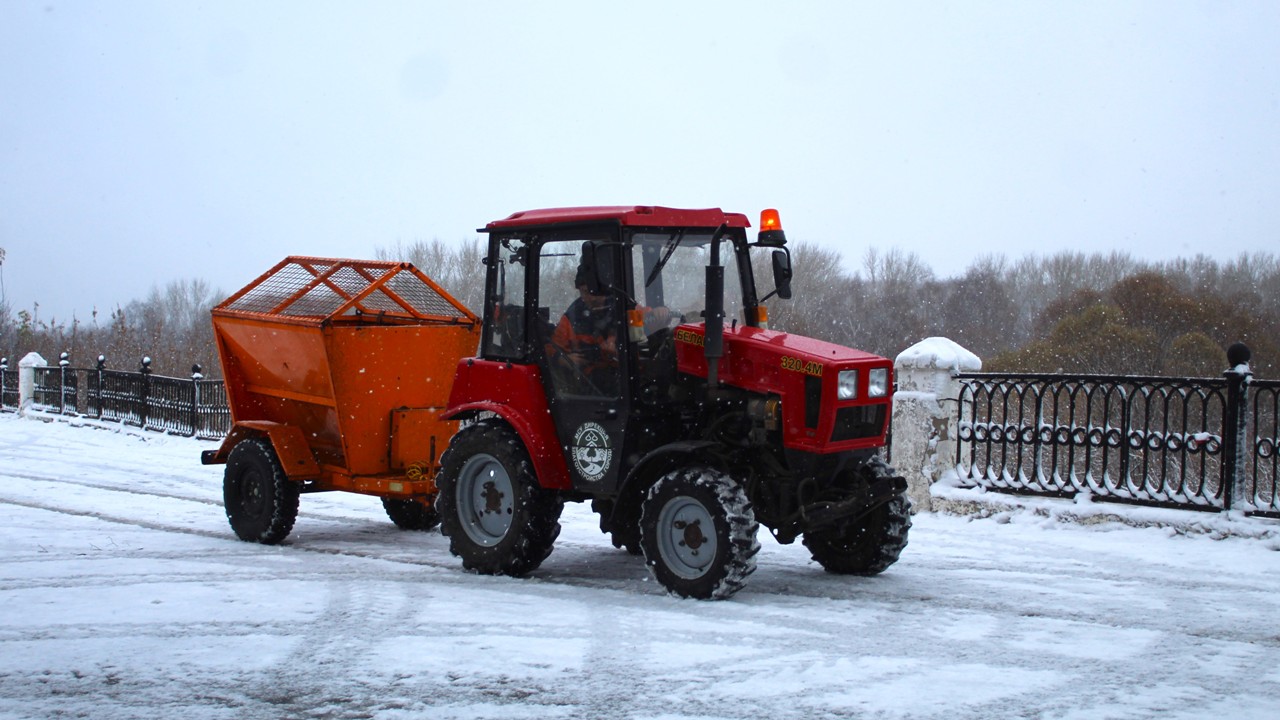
63,361
196,377
1234,441
101,371
4,372
27,380
143,401
925,413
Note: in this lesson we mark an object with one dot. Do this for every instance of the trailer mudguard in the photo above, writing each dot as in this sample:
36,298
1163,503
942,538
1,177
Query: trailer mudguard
287,440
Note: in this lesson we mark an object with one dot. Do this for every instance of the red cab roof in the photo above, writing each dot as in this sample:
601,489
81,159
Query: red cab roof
641,215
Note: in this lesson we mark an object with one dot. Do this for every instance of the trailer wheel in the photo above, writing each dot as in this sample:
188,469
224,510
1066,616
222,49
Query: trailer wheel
411,514
868,545
698,533
261,502
497,517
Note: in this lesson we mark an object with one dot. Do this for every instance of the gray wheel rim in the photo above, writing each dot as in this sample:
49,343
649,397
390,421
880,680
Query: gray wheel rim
485,500
686,537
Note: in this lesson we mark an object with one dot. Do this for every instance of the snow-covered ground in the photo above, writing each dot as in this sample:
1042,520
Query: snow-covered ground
124,594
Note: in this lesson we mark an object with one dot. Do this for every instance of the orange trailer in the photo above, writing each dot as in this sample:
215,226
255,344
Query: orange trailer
336,374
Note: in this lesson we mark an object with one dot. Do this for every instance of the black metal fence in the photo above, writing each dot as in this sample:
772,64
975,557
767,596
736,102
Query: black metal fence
8,387
1199,443
180,406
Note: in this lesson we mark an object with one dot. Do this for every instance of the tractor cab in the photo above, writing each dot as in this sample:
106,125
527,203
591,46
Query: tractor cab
595,298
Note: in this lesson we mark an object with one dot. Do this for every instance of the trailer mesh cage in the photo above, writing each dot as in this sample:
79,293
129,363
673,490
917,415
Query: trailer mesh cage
328,289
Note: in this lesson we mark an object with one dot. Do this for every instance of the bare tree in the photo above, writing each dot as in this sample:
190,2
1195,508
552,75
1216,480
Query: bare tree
820,298
899,302
979,312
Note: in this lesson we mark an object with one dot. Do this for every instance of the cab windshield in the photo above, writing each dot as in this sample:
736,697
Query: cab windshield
679,282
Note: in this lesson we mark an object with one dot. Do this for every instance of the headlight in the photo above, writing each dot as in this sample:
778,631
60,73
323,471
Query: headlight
878,382
847,385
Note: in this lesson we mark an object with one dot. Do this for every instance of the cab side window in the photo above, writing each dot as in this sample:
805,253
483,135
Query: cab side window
504,334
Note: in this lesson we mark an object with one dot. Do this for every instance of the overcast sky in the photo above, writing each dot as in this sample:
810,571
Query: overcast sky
143,142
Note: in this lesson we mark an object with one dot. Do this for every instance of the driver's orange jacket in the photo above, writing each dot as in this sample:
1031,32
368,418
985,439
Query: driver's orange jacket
589,333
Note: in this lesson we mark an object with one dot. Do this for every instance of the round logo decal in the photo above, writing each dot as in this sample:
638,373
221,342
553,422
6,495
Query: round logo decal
591,451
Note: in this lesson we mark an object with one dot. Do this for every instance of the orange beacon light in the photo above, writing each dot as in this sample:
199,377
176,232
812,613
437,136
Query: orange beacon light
771,234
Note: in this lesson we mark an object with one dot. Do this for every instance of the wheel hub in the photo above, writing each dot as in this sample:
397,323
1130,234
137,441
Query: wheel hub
485,500
693,537
686,549
251,495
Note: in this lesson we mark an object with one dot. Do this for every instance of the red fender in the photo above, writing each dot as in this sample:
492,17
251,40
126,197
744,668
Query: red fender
516,394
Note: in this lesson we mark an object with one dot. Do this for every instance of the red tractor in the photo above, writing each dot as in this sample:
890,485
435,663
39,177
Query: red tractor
617,365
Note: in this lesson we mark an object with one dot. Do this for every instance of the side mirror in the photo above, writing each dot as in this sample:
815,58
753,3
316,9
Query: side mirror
782,273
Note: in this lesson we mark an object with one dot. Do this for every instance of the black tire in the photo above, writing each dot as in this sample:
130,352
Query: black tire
698,533
261,501
411,514
497,517
868,545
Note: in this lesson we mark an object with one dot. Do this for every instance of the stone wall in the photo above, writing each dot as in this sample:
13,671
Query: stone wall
925,407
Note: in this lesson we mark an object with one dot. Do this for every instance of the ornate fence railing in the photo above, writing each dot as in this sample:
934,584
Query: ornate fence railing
1262,456
181,406
1199,443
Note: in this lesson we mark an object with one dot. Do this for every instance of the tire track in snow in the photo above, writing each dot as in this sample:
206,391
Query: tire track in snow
112,488
250,550
355,524
326,516
380,612
118,630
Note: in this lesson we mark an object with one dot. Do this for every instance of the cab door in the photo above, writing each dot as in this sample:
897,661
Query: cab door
581,323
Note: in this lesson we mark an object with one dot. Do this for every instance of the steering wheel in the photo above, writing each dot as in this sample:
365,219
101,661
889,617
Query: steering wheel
578,373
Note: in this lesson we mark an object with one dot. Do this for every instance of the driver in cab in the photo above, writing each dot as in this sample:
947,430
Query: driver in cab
587,335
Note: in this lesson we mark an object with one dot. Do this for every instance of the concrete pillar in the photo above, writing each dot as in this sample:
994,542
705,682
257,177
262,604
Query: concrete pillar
27,380
925,410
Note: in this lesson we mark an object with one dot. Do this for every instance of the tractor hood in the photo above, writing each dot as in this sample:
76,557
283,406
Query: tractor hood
832,398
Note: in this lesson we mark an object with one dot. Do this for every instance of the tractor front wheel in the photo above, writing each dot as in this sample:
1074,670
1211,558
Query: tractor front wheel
261,501
411,514
497,517
698,533
869,544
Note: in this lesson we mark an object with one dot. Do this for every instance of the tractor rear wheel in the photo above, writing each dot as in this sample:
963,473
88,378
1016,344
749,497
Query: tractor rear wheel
497,517
261,501
698,533
411,514
869,544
